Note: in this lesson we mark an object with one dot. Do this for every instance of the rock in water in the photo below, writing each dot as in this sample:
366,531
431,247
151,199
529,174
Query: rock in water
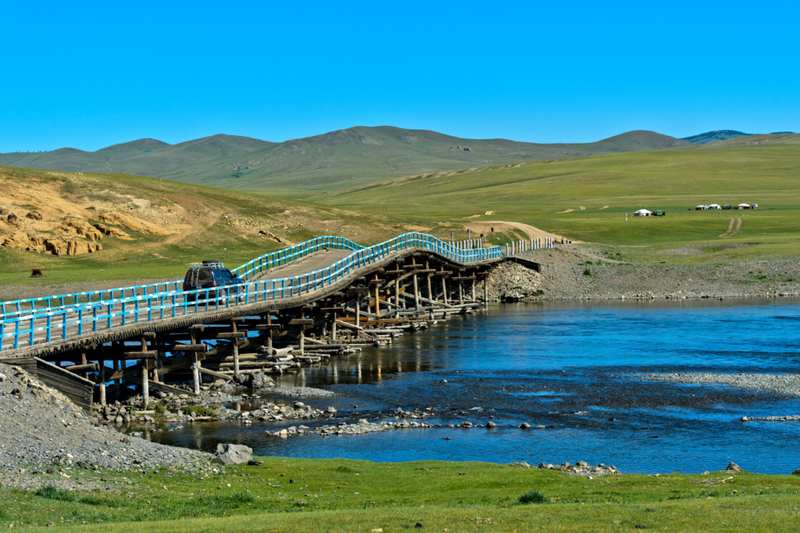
733,468
233,454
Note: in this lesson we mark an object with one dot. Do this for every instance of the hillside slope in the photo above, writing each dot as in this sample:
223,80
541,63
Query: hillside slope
150,227
715,136
587,198
144,157
330,161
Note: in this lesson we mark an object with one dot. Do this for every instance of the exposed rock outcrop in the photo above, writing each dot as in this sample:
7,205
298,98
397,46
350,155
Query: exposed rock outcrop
132,223
39,243
75,224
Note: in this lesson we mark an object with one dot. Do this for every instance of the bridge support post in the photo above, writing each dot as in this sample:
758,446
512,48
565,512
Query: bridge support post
416,294
145,387
461,293
157,363
377,298
302,341
444,289
333,328
428,275
195,373
485,293
269,339
358,310
473,291
235,347
118,384
102,380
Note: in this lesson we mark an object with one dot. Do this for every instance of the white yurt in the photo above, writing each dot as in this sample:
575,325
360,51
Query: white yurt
714,206
642,213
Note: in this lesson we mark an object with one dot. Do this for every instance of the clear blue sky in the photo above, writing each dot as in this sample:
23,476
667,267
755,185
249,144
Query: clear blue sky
88,75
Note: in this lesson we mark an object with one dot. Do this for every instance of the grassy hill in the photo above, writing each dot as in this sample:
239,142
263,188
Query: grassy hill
331,161
715,136
587,198
145,157
170,224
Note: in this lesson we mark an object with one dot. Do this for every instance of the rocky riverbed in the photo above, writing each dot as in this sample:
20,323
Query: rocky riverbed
43,430
579,272
788,384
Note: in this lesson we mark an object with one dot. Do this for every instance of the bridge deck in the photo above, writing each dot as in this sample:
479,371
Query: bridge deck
317,269
311,263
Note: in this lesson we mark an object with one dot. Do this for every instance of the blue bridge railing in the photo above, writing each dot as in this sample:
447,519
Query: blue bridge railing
26,323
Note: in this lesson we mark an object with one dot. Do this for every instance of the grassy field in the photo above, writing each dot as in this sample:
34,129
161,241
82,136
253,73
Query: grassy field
587,199
347,495
583,199
195,222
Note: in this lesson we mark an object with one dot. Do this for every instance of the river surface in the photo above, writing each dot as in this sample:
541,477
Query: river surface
570,367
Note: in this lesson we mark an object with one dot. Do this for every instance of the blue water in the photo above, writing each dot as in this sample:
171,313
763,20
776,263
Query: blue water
570,367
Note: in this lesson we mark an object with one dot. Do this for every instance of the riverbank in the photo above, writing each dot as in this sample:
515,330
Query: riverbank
296,495
583,272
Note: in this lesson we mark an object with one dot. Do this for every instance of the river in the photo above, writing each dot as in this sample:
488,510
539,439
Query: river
572,368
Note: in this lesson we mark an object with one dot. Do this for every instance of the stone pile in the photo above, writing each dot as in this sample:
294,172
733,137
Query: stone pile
41,429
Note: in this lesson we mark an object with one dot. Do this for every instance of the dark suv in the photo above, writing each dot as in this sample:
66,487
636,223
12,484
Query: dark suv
208,275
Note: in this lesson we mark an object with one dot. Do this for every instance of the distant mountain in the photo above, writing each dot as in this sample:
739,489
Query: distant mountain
333,160
145,157
715,136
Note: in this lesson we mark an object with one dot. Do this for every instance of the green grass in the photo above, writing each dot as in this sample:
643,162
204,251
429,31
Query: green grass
150,257
541,193
350,495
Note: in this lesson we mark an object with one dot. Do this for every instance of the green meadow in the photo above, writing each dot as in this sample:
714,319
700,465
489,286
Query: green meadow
296,495
587,199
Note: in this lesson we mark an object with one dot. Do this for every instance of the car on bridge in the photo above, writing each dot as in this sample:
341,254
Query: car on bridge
210,275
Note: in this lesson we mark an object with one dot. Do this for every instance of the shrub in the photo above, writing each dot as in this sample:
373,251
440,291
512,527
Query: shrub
160,409
52,493
532,496
200,410
587,272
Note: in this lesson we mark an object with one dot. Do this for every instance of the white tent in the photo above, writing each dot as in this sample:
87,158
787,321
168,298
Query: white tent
700,207
714,206
642,213
743,206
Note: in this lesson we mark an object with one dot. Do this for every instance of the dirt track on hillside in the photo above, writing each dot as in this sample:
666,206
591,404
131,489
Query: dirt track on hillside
485,227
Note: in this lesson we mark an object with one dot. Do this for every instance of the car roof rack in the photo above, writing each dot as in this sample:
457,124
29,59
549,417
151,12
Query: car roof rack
207,264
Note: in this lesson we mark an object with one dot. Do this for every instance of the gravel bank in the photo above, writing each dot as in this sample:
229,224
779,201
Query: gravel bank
583,272
42,429
788,384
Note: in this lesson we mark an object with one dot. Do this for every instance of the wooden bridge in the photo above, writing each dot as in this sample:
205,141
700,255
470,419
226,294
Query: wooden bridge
298,306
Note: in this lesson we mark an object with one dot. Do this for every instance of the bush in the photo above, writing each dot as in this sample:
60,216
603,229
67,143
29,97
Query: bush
52,493
160,409
200,410
532,496
587,272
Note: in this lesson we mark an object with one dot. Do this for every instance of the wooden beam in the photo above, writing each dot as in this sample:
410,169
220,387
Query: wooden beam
215,374
189,348
232,335
132,356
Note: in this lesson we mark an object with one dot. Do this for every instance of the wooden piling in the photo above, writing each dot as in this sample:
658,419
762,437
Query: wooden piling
145,387
236,351
102,380
416,293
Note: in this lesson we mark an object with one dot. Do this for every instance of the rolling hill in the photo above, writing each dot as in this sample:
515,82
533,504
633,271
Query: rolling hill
587,198
145,157
715,136
331,161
